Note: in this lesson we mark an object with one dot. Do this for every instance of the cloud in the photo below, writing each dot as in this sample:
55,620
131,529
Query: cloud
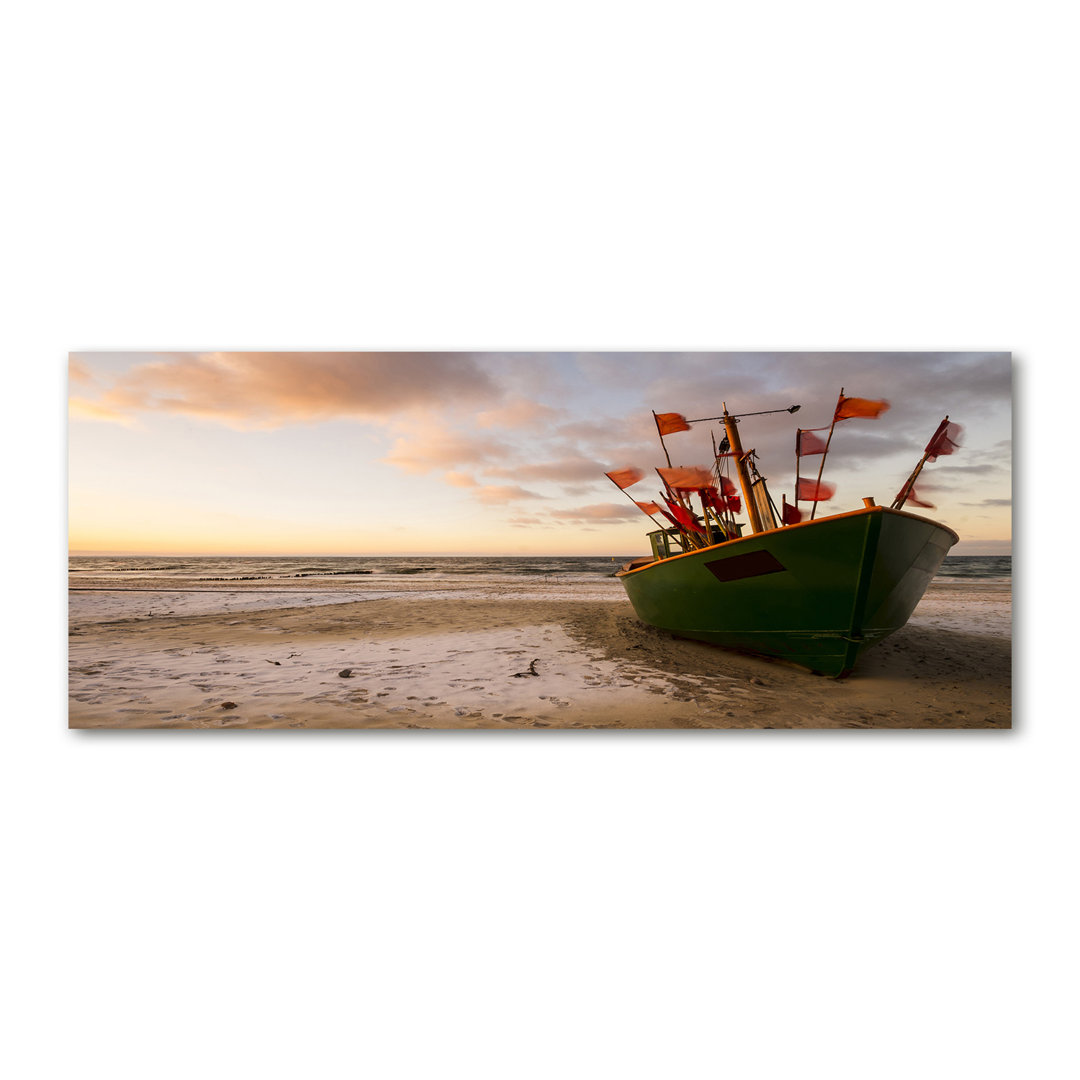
495,495
598,512
85,409
459,479
518,413
436,447
921,387
564,469
529,521
984,469
265,390
78,372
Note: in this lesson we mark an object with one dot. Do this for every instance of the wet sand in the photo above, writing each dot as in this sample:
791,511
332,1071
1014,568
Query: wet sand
489,658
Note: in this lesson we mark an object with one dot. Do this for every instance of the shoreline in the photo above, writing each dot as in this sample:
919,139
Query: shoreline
484,655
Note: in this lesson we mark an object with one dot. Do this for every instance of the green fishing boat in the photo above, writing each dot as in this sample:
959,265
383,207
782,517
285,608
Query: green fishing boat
816,592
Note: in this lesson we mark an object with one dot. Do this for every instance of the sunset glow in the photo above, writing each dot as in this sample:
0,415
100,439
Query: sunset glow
485,453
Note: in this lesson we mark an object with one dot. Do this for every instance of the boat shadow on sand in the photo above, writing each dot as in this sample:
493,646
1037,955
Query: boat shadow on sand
917,677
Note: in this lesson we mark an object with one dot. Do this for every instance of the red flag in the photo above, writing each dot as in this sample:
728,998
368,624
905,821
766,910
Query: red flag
807,443
683,516
650,508
669,422
727,501
813,490
915,500
857,406
688,478
728,488
944,442
711,499
625,478
791,515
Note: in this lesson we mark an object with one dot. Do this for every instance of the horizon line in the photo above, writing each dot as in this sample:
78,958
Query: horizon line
113,553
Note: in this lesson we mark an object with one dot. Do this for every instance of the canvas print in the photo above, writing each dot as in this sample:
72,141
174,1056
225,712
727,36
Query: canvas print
454,540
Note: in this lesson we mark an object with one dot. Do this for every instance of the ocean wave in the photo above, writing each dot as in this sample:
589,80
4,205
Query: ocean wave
331,573
338,570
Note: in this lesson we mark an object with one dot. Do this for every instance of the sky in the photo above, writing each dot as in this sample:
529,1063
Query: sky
369,453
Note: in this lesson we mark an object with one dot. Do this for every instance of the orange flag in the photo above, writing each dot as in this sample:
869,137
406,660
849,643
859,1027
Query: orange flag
813,491
625,478
688,478
650,508
669,422
858,406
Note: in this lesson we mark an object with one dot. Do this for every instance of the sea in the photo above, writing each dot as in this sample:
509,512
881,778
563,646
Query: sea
105,571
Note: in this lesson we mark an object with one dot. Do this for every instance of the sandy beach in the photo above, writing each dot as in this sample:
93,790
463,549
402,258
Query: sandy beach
535,656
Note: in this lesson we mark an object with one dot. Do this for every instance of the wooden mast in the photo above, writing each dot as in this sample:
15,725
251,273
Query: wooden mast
731,426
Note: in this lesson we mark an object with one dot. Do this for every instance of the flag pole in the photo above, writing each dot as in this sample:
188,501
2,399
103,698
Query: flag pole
661,434
797,457
905,491
687,534
824,455
634,501
672,492
676,495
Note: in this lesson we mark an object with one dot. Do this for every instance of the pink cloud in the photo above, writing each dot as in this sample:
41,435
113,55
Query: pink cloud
494,495
459,479
78,372
519,413
436,447
270,389
599,512
85,409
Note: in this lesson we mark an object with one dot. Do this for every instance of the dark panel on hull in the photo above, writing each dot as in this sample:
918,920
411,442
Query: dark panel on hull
754,564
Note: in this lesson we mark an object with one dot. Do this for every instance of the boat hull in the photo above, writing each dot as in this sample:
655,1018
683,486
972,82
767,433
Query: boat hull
818,594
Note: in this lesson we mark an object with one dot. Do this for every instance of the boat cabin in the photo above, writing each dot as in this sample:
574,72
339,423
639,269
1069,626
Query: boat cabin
666,542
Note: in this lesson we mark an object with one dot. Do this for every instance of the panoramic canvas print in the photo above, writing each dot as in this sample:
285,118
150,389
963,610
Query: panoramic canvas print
544,540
